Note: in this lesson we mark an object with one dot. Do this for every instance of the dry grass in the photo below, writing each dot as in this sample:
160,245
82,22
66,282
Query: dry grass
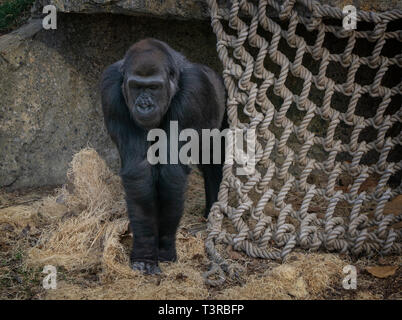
94,213
83,230
305,276
89,238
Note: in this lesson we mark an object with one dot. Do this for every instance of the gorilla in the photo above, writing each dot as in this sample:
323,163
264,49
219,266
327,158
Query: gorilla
150,87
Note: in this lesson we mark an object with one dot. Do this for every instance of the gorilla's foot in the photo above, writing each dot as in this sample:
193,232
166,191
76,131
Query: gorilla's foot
167,255
167,258
146,267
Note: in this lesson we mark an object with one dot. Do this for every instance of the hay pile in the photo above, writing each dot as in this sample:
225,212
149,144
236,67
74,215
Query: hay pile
87,233
84,232
304,276
86,239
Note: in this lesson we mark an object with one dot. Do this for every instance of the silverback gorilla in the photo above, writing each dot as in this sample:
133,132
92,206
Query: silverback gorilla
151,86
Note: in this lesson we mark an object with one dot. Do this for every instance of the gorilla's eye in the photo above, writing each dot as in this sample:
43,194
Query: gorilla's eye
135,86
154,87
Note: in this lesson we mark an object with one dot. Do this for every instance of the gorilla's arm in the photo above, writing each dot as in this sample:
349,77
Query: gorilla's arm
199,104
136,172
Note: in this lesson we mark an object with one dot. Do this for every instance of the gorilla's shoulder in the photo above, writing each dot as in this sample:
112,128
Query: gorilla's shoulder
202,83
110,84
112,74
199,77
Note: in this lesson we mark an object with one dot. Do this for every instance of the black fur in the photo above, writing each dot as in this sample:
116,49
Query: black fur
155,193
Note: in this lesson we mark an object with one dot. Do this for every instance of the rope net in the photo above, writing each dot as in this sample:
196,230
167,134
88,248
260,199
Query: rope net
320,139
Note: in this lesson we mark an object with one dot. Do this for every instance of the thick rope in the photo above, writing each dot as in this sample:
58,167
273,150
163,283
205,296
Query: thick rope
283,171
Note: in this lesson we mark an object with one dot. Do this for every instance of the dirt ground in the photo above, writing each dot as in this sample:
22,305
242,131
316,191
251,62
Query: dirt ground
81,228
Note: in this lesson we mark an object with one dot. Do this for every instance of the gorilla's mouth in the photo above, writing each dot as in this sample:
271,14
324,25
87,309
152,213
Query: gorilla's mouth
145,110
148,118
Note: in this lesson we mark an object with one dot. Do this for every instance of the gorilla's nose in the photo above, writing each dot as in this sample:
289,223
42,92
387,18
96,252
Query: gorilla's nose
145,105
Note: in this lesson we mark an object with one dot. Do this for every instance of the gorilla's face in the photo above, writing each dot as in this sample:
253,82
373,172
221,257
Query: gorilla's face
148,86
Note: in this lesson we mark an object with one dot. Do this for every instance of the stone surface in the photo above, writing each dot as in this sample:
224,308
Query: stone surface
50,103
186,9
367,5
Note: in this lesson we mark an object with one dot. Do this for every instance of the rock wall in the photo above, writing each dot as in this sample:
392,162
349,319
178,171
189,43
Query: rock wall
49,97
186,9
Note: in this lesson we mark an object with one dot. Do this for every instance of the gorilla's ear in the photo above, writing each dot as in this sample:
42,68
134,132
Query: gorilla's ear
123,91
122,66
173,83
173,89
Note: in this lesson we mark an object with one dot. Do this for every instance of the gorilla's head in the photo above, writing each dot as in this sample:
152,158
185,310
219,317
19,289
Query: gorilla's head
151,72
